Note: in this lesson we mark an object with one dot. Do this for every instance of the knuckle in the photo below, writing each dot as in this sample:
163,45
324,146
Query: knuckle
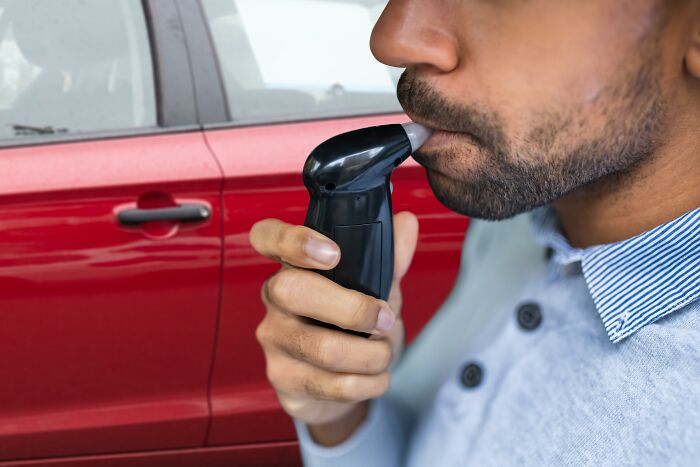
346,388
326,351
261,332
363,314
265,291
383,383
253,235
296,344
317,347
281,286
273,375
315,389
290,240
257,236
382,358
265,332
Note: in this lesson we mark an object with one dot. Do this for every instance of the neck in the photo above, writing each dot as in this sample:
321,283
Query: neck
622,206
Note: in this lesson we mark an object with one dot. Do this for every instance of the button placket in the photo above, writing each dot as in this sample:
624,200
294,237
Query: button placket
478,376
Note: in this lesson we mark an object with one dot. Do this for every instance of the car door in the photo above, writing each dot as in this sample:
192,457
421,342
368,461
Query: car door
289,86
110,231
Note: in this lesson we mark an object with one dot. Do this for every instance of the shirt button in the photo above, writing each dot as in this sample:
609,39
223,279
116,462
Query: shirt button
529,316
472,375
548,253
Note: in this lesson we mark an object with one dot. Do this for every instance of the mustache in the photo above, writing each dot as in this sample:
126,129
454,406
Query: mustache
428,106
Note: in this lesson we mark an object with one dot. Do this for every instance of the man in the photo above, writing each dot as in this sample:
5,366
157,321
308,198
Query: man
584,116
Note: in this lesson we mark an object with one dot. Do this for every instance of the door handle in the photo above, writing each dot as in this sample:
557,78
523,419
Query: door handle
182,213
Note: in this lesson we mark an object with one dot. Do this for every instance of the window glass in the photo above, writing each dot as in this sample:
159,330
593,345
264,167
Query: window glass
300,59
73,66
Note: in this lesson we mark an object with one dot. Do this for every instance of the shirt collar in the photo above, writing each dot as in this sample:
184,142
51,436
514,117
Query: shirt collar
636,281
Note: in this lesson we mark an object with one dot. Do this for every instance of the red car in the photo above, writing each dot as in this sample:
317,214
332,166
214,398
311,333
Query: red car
139,142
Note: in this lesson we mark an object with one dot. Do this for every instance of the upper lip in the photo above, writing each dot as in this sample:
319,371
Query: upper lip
431,125
422,121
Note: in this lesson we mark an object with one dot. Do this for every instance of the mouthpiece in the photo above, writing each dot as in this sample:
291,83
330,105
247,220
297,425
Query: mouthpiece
417,134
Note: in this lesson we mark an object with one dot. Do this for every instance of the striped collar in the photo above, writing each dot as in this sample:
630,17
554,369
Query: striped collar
636,281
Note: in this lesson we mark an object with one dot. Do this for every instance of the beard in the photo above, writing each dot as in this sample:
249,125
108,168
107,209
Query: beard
484,173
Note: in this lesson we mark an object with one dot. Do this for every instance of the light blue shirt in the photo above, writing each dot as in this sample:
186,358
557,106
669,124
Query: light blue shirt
580,357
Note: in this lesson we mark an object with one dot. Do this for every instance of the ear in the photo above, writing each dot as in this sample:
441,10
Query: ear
692,55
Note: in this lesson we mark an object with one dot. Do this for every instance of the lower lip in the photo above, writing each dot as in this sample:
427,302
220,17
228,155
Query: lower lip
441,138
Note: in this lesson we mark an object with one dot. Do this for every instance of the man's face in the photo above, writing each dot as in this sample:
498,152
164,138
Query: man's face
539,97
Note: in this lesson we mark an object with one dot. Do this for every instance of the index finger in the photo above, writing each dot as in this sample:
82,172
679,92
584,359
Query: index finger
294,244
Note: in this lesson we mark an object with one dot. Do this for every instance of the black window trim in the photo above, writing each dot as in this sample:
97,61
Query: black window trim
210,96
233,124
176,102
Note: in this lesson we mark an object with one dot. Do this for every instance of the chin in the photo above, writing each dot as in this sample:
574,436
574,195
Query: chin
446,190
473,199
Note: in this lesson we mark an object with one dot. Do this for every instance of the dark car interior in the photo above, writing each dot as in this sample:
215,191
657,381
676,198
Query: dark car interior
75,60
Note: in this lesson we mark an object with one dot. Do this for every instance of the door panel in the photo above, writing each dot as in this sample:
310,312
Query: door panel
106,331
262,168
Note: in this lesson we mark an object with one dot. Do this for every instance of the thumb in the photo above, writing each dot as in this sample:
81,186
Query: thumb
405,240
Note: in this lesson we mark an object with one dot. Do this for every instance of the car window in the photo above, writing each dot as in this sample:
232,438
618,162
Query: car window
287,60
73,66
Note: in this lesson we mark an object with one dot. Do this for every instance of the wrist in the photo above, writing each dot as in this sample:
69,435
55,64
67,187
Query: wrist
334,433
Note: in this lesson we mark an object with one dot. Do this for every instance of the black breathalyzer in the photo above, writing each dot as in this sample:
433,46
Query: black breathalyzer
348,179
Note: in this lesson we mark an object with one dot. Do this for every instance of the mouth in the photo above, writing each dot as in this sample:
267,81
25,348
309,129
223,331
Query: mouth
442,136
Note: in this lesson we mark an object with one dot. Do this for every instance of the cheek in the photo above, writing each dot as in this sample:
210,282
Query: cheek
525,58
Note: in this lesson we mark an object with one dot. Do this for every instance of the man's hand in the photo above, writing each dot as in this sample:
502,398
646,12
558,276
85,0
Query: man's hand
321,376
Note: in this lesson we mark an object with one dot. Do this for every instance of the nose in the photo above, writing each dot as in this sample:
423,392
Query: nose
415,32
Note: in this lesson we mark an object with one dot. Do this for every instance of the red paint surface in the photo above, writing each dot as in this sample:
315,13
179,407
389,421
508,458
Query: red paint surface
264,454
262,169
106,332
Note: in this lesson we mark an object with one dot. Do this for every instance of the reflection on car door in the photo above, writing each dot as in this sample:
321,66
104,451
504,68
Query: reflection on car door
107,329
111,246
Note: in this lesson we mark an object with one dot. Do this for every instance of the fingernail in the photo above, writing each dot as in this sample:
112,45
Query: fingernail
385,320
321,251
